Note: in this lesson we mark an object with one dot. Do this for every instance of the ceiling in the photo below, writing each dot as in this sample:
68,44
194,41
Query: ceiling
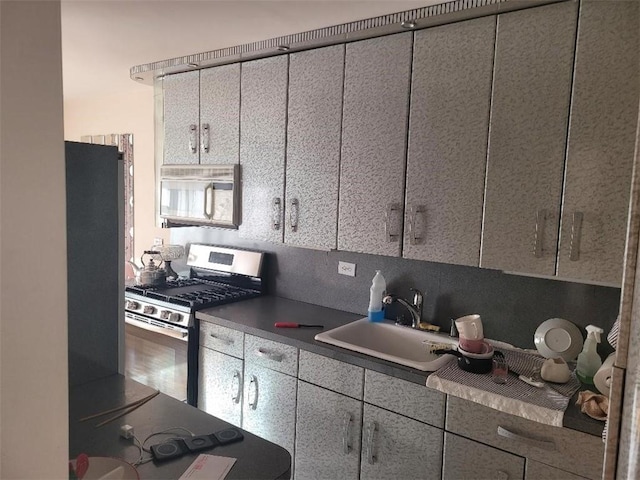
103,39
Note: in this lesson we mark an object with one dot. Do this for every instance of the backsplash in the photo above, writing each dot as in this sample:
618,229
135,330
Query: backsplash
511,306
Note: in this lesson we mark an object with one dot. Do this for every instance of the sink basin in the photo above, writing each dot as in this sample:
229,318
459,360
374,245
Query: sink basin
402,345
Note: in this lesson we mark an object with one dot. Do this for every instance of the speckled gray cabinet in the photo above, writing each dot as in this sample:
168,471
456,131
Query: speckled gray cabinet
220,385
539,471
394,446
313,147
269,405
327,434
181,118
468,460
448,126
601,143
220,114
374,133
263,119
527,138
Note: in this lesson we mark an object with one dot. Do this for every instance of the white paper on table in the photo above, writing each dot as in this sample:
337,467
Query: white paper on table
208,467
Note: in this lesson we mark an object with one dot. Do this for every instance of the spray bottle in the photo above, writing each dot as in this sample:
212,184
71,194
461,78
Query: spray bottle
589,361
376,292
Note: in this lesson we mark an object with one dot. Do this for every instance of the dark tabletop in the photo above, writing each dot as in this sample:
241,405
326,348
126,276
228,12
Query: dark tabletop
257,316
256,458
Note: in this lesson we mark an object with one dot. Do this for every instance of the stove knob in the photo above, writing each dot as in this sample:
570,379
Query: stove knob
164,314
131,305
149,310
175,317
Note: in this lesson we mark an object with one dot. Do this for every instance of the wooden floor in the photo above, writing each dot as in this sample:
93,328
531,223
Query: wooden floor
157,361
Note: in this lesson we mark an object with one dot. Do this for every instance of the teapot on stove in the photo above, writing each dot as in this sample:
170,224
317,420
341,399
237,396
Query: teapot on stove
150,273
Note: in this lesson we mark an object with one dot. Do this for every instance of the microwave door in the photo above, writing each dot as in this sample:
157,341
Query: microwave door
222,203
186,199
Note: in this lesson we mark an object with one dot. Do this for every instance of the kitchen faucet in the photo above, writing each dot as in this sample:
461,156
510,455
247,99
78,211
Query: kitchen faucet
415,308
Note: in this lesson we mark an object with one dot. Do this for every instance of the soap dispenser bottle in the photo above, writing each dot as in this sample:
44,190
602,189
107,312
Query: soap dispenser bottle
376,292
589,361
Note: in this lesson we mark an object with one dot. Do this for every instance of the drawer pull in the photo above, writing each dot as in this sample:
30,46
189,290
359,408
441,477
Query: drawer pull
253,382
371,458
193,138
276,357
543,444
237,383
346,436
391,234
226,341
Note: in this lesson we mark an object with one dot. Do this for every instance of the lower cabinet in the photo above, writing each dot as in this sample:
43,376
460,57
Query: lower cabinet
398,447
220,385
540,471
466,459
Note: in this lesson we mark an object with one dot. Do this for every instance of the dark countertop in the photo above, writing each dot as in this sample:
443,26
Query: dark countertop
257,316
256,458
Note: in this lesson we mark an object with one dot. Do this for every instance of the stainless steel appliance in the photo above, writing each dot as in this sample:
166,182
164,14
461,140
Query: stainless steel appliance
200,195
162,332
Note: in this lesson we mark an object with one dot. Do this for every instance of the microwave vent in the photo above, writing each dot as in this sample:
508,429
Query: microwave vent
211,172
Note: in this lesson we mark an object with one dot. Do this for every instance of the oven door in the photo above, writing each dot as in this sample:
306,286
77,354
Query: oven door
156,354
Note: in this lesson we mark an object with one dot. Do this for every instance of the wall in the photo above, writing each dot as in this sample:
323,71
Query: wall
130,112
33,339
511,306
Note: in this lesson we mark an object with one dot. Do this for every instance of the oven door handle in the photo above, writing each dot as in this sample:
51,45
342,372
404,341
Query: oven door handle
179,334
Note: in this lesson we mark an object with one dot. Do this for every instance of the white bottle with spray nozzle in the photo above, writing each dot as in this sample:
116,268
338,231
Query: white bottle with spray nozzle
589,361
376,292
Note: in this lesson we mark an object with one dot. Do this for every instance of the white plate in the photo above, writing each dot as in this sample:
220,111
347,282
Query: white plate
558,337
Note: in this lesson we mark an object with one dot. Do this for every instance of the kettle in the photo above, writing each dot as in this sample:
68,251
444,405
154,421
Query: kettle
150,273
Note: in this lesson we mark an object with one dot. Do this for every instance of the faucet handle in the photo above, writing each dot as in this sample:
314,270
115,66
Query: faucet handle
417,298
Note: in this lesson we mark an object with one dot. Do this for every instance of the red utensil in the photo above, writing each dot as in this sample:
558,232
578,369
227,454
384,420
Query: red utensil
82,465
295,325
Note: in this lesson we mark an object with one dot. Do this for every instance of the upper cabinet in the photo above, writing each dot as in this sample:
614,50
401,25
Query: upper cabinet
374,138
449,121
202,115
313,147
527,138
263,121
601,143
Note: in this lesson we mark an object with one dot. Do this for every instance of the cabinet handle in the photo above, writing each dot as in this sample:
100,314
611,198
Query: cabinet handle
277,213
276,357
543,444
293,214
391,236
226,341
576,235
207,201
254,382
414,238
346,433
193,138
541,220
204,138
237,383
371,458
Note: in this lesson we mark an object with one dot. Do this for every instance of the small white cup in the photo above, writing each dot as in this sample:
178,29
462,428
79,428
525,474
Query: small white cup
470,327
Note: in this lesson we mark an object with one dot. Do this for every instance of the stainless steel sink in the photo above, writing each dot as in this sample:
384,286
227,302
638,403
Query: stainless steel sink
402,345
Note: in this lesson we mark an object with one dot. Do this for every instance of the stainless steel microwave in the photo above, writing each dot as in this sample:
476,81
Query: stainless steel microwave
200,195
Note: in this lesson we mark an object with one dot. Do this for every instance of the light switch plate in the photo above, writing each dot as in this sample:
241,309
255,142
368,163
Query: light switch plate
346,268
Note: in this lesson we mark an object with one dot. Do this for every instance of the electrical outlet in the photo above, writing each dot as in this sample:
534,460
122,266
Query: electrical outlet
346,268
158,242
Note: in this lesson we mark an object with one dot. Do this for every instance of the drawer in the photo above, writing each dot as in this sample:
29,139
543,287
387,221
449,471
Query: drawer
274,355
221,339
406,398
564,448
333,374
540,471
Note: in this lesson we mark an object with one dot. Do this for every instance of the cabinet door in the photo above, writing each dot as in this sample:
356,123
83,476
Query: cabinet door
181,118
269,405
540,471
220,114
527,138
448,127
394,446
465,458
313,147
327,434
263,116
374,133
220,386
601,143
